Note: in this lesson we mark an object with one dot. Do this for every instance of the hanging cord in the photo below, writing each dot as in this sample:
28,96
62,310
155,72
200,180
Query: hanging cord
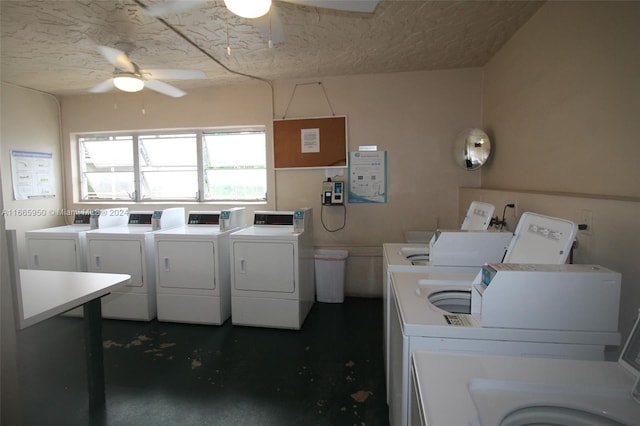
504,222
308,84
344,219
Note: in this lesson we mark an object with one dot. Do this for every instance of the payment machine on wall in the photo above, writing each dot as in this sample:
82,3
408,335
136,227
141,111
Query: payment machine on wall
332,193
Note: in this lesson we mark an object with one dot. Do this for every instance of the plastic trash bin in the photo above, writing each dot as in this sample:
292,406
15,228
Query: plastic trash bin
330,272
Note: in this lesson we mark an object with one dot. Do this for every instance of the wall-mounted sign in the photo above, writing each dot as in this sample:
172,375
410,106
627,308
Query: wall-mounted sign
368,177
32,174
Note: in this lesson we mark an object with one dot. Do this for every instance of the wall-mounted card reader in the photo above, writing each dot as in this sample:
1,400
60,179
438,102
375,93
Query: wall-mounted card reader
332,193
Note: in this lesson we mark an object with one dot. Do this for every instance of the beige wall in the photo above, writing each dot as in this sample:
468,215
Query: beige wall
561,104
561,101
30,122
413,116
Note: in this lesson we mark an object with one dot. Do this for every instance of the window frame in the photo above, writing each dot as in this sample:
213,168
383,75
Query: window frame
200,196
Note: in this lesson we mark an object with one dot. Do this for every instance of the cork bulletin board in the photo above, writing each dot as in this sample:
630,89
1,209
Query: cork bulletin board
319,142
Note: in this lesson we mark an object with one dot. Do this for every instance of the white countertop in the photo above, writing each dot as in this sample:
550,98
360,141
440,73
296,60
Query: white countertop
44,294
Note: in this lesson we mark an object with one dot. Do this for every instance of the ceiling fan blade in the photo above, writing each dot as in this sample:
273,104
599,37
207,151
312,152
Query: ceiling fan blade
117,58
169,7
270,25
103,87
364,6
164,88
173,74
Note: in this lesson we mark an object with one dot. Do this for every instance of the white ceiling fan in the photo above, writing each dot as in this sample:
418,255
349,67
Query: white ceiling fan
128,77
268,23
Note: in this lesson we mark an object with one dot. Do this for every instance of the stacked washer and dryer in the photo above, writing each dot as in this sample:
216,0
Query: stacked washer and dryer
272,270
193,268
422,318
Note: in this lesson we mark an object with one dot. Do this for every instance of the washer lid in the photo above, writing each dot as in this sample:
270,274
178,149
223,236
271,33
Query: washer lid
478,216
541,239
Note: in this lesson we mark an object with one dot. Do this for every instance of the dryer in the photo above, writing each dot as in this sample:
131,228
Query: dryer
129,250
272,270
491,390
63,248
192,268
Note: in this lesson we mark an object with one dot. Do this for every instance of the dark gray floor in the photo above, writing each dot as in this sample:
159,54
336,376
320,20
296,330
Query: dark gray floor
328,373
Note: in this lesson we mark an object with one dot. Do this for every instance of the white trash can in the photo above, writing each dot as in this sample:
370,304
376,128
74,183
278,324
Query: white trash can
330,272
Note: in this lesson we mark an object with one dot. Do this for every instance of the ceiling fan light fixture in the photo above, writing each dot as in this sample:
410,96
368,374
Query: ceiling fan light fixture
128,83
248,8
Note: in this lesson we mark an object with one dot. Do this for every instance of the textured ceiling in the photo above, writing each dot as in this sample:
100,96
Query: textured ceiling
50,45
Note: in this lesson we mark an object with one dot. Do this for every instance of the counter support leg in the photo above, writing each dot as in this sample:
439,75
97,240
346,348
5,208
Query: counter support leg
93,347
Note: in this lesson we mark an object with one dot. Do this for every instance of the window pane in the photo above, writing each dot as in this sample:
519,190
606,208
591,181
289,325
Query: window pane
168,150
170,184
109,186
236,184
106,166
168,166
235,166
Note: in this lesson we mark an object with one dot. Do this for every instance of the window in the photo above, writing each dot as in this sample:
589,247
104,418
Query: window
211,165
235,166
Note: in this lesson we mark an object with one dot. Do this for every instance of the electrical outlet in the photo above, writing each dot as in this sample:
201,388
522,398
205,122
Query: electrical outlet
585,217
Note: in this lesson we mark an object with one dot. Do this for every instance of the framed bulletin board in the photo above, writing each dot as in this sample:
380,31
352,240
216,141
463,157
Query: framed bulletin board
319,142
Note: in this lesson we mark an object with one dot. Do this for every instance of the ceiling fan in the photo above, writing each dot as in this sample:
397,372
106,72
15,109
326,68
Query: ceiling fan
268,23
128,77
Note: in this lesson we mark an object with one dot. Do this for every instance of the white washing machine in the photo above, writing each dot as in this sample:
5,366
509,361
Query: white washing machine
453,256
550,311
489,390
272,270
401,257
193,281
129,250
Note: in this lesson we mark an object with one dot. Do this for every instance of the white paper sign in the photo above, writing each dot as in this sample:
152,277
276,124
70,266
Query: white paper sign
310,140
32,174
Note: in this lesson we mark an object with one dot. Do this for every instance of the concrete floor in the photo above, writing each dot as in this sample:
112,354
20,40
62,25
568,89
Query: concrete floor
328,373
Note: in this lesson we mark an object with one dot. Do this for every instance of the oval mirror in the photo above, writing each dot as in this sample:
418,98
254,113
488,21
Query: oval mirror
471,149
